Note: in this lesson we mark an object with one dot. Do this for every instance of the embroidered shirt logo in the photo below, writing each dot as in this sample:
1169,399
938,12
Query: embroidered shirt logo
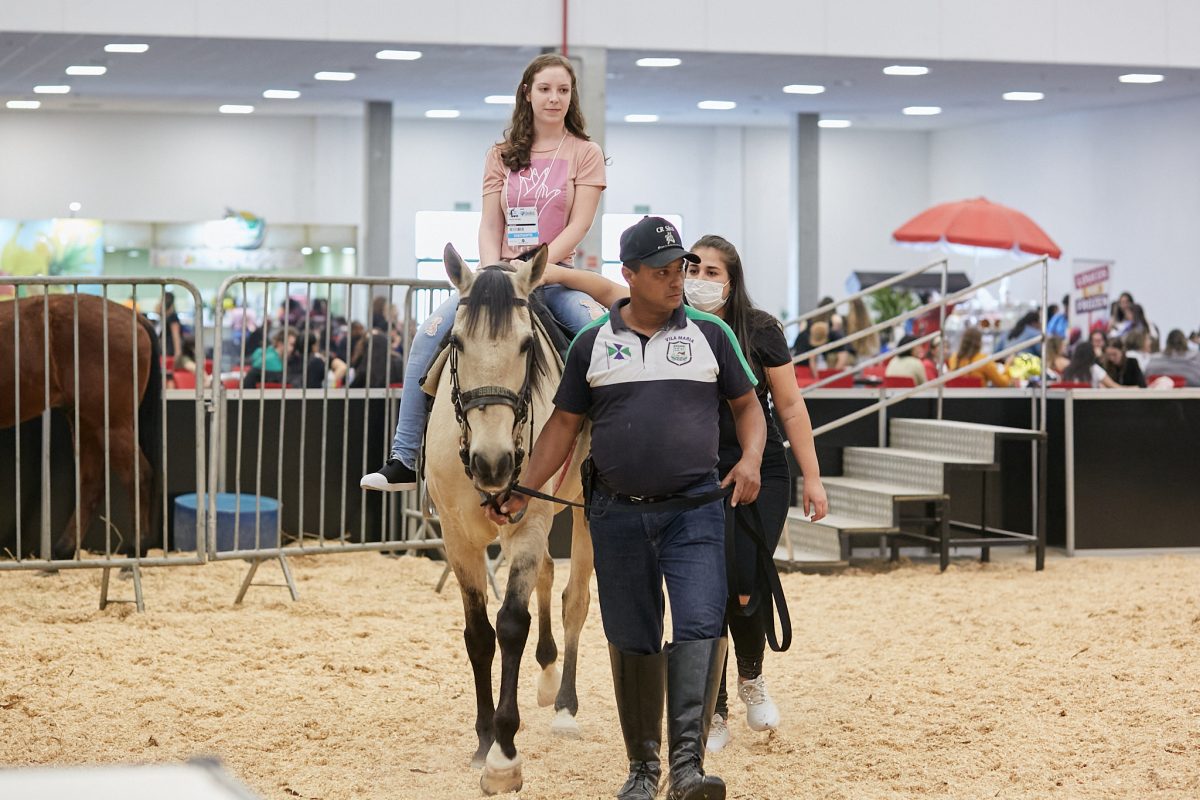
679,353
618,352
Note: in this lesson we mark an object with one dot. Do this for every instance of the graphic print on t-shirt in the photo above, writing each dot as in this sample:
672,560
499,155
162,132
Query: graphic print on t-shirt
542,185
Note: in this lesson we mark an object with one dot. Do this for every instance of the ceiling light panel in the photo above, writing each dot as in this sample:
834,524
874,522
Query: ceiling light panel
84,69
442,113
233,108
833,123
281,94
500,100
52,89
716,105
1024,97
334,76
126,48
24,104
803,88
922,111
641,117
905,69
659,62
398,55
1140,77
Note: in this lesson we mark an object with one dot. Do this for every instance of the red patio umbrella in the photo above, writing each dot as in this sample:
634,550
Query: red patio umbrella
978,223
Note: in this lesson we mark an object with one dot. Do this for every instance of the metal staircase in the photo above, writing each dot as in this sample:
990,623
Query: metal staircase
898,494
881,486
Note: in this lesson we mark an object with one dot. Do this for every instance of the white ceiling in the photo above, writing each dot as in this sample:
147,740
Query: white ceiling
197,75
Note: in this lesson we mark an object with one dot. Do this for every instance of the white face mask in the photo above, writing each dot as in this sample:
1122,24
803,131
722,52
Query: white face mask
704,295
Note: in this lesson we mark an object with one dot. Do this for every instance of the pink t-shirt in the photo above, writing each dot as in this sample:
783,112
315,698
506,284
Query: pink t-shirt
548,183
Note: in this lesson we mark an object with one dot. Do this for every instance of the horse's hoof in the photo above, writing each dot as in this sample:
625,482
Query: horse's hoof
501,774
564,725
548,682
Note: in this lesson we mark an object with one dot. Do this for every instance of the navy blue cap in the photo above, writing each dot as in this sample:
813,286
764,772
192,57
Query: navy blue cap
654,242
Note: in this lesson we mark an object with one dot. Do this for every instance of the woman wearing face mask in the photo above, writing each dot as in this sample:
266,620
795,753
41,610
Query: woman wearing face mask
717,285
541,185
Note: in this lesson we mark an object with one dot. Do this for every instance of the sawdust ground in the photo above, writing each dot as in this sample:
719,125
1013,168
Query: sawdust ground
986,681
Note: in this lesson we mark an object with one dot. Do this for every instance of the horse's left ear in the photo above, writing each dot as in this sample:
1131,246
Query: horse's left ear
457,270
531,271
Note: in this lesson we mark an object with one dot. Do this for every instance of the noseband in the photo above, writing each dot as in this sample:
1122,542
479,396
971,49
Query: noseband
484,396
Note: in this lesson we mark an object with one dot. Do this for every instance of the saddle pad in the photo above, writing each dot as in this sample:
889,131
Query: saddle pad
429,384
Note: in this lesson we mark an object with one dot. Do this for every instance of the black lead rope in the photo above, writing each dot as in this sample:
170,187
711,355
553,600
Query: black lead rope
768,595
769,598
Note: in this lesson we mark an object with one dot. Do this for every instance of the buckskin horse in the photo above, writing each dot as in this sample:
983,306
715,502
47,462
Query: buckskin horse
24,336
503,371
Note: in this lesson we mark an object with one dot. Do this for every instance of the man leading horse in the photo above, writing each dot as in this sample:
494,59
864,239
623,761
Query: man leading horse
650,376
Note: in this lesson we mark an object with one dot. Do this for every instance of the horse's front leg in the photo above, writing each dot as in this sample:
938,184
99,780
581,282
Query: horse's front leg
470,568
576,598
502,772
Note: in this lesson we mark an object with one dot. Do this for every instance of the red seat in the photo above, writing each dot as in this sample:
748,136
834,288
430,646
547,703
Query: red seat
232,383
1069,385
898,382
269,385
1178,380
395,385
185,379
169,363
841,383
208,366
875,371
965,382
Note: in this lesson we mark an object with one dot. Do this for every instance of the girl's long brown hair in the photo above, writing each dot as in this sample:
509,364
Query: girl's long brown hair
968,347
515,150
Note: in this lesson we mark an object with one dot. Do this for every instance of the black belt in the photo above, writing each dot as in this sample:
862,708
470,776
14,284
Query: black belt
640,504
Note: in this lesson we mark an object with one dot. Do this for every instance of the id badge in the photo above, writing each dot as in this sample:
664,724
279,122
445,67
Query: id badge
521,227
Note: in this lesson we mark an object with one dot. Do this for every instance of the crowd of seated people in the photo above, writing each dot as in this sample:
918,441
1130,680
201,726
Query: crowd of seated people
1122,352
298,347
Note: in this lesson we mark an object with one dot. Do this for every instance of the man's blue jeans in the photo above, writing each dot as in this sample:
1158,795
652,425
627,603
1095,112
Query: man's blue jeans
571,308
635,553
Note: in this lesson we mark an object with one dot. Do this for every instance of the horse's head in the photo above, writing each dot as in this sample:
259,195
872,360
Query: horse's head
495,364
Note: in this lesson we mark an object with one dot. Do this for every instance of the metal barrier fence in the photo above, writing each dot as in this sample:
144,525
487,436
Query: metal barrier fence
61,339
292,438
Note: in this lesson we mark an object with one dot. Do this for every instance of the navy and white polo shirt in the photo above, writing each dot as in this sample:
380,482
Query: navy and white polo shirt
654,402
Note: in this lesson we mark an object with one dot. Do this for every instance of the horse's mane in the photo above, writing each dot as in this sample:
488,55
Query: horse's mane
492,299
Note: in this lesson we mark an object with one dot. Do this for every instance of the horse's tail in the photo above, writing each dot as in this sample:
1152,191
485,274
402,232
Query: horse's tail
150,423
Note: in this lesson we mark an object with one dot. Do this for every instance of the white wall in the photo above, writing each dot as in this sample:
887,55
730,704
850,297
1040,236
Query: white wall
1135,32
304,170
1118,183
872,182
175,168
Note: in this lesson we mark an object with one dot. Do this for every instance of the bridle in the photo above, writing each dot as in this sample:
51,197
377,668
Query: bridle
520,402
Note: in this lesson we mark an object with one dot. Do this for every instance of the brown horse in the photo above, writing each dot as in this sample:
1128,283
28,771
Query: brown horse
24,322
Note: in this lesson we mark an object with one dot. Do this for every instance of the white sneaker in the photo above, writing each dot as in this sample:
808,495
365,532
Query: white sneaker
718,734
761,712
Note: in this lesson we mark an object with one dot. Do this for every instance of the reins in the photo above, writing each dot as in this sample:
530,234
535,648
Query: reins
521,403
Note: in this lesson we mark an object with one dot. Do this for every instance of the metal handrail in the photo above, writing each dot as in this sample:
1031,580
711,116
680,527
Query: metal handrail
870,362
941,304
936,382
892,281
916,312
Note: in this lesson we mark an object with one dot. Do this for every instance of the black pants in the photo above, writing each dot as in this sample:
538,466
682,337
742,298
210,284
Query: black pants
749,634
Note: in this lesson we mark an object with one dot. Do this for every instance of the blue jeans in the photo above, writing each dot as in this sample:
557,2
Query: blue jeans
634,553
571,308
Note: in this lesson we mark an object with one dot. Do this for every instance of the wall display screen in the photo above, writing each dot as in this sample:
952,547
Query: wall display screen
56,247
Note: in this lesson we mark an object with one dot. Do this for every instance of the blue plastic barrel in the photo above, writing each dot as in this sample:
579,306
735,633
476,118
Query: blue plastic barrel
235,516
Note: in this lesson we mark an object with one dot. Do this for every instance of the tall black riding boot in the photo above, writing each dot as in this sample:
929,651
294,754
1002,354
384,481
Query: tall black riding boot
639,682
693,676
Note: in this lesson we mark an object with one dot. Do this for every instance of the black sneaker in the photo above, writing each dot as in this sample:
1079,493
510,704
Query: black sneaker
393,477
